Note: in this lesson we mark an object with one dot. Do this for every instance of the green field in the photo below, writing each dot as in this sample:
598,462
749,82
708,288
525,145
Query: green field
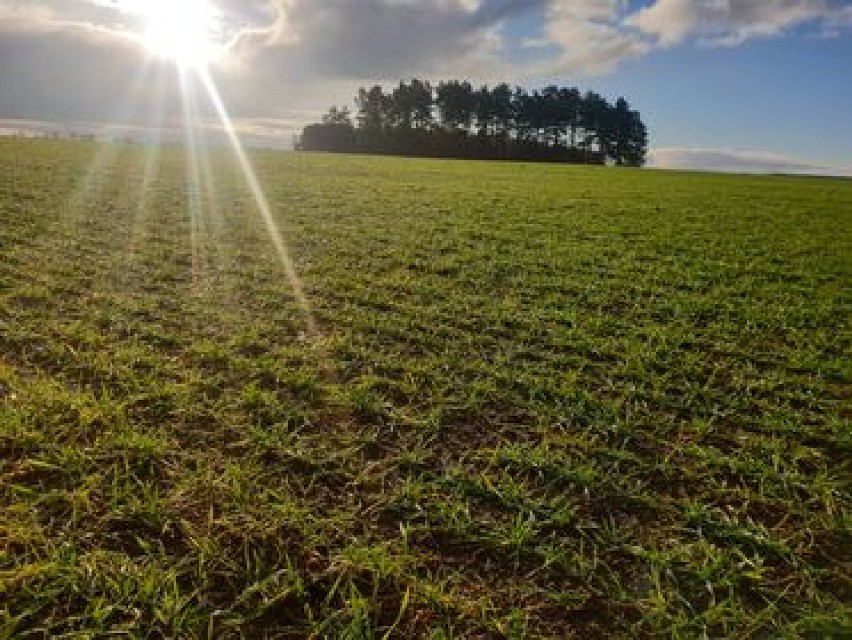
536,401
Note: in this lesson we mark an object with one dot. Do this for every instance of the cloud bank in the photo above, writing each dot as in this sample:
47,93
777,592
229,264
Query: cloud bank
735,161
388,39
78,60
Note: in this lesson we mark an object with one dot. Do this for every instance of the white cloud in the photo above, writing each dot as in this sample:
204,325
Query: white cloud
284,41
591,36
670,21
738,161
730,22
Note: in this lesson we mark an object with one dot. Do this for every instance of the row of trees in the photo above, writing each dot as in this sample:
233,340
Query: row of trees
456,120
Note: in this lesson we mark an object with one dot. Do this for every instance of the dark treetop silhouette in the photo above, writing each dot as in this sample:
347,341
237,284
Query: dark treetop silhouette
454,120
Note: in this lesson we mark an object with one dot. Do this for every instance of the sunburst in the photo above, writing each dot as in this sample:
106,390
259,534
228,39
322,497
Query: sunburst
182,31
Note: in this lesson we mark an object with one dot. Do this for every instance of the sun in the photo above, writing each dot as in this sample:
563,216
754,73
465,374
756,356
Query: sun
179,30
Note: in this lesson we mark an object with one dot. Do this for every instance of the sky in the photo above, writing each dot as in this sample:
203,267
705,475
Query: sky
739,85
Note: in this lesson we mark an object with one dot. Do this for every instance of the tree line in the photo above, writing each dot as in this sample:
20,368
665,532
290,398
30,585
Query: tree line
453,119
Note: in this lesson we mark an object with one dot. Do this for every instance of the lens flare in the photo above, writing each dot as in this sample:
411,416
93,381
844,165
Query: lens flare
193,178
260,199
183,31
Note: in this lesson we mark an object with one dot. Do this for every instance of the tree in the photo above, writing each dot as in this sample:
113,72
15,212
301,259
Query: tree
422,102
537,114
483,109
522,111
455,104
593,119
336,132
555,123
636,148
411,105
338,116
551,124
570,102
372,109
502,109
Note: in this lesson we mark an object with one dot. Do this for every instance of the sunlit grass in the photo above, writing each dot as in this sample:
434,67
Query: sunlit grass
544,401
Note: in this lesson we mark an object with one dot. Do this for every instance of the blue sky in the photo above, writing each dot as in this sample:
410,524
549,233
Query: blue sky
765,100
790,95
723,84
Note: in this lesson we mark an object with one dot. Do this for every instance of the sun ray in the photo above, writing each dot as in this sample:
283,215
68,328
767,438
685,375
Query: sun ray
193,176
151,169
184,33
210,191
260,199
90,186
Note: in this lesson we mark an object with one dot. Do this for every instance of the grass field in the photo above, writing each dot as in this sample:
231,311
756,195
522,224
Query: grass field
535,402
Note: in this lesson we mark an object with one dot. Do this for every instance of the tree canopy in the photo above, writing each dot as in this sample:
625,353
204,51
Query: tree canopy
455,119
